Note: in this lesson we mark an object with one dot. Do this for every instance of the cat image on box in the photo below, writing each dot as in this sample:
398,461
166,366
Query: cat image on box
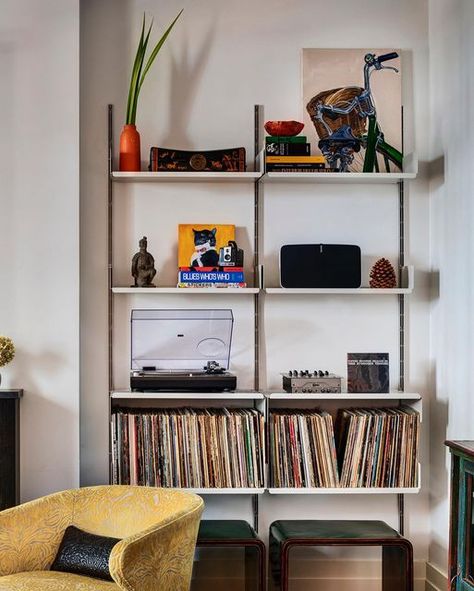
205,253
199,244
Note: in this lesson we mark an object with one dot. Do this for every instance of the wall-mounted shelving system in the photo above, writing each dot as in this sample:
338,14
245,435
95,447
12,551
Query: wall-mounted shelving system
263,401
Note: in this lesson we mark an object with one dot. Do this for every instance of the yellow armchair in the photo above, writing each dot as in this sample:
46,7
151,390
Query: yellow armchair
157,527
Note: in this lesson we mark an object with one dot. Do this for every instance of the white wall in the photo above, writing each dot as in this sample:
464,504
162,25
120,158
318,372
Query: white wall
452,246
39,232
221,59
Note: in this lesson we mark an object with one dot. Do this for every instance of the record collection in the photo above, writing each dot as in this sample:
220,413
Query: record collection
302,449
184,448
367,448
378,447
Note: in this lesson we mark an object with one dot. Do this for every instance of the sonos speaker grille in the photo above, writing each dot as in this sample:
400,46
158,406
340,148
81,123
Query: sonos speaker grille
320,266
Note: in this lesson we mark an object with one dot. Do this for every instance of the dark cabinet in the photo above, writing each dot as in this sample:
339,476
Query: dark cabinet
461,548
9,448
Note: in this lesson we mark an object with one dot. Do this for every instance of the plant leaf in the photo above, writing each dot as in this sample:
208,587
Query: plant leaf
134,84
157,48
131,89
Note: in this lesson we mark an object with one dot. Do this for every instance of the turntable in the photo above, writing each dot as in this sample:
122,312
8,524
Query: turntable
181,350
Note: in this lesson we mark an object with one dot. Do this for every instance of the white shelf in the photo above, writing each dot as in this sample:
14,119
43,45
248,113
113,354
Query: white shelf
186,290
349,491
237,395
343,491
343,396
410,165
353,178
359,291
406,287
224,491
180,177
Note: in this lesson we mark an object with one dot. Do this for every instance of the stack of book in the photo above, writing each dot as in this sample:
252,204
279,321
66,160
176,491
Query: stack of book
295,164
291,154
378,447
211,277
186,448
295,145
302,449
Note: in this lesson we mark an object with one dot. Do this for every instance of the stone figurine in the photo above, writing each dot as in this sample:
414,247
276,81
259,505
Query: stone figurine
143,266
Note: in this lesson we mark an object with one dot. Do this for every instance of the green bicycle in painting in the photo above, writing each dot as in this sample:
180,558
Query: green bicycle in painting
346,123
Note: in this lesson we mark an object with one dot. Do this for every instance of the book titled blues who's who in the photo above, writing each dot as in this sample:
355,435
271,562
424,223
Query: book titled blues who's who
193,276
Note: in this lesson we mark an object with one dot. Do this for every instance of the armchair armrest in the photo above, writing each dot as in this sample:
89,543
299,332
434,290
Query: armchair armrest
161,557
30,533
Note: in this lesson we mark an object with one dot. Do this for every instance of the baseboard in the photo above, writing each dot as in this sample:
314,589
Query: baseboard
436,579
305,575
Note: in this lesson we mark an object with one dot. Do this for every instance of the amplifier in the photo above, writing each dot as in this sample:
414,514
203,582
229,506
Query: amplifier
307,382
320,266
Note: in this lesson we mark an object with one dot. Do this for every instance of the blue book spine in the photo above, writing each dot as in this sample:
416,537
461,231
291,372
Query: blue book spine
211,277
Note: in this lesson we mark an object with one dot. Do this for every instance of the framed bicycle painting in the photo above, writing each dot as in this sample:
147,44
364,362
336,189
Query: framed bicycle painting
352,100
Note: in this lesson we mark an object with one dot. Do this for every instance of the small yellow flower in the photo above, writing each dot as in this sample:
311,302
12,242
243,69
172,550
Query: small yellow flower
7,350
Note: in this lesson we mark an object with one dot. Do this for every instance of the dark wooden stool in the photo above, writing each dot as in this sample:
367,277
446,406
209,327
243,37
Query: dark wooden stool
397,552
237,534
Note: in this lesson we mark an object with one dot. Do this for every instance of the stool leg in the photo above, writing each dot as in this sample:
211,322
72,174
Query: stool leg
274,563
278,563
397,568
251,569
284,567
262,567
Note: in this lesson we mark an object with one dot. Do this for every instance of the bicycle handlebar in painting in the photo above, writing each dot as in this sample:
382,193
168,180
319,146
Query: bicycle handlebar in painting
387,56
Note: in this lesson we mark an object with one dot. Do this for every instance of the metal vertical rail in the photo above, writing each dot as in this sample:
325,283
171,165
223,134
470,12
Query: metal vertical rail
256,300
110,300
256,256
401,328
401,307
401,297
110,245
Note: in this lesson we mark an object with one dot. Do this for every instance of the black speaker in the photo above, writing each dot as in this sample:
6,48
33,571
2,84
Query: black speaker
320,265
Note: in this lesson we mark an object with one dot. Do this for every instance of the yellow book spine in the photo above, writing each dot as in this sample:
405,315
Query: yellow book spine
296,159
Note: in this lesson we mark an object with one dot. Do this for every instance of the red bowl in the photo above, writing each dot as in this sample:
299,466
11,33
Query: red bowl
283,128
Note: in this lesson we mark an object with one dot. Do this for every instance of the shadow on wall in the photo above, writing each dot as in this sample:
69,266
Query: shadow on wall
436,172
439,467
41,418
186,72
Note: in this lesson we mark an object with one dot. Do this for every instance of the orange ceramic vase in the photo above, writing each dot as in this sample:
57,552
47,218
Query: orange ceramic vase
130,149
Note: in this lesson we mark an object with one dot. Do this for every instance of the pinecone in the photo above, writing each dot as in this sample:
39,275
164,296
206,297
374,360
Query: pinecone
382,275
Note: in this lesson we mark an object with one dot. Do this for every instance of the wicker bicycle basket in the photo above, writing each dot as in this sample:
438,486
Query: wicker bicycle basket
338,97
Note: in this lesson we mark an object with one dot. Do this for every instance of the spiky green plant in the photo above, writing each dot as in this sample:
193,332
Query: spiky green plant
7,350
140,67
